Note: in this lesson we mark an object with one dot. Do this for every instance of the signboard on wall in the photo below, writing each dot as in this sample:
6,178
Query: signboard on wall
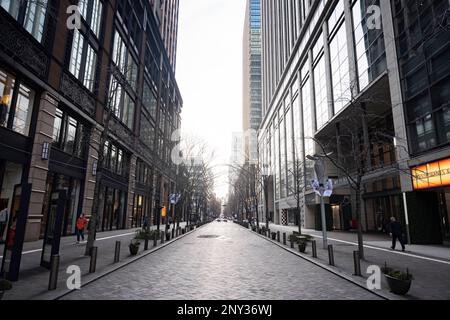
431,175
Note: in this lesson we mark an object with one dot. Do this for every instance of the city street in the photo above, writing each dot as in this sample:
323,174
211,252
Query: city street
221,261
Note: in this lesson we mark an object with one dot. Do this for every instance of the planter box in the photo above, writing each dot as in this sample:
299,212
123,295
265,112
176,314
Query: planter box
134,250
400,287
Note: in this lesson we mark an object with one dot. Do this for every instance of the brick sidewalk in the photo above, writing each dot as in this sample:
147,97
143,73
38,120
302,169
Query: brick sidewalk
430,270
33,281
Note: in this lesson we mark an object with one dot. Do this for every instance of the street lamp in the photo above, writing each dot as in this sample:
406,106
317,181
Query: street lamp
319,187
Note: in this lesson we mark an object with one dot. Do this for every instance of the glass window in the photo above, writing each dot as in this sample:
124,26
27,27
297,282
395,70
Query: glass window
7,82
57,127
69,134
31,14
369,45
307,118
69,145
320,91
122,104
149,100
24,108
124,60
35,18
91,61
340,69
79,59
77,53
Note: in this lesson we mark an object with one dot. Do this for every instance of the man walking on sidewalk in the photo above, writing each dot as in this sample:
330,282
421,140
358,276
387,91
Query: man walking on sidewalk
396,230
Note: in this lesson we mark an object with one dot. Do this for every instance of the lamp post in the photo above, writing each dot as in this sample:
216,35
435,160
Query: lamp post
265,179
319,187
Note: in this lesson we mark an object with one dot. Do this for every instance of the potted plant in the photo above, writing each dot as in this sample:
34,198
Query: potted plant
302,243
399,282
134,246
5,285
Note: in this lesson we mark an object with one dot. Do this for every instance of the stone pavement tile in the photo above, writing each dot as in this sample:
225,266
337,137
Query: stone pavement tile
33,282
432,278
239,265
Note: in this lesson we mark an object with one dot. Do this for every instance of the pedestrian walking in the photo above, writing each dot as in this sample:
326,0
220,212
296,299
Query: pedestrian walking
80,226
145,225
12,234
396,232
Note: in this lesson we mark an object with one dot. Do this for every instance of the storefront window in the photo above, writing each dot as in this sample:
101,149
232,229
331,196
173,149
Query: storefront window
16,105
10,176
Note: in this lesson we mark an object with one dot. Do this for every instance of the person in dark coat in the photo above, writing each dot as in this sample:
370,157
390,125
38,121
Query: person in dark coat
396,231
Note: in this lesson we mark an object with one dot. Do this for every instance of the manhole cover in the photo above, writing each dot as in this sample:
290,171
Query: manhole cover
208,236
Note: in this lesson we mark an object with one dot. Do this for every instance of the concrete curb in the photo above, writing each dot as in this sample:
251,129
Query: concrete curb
126,263
335,271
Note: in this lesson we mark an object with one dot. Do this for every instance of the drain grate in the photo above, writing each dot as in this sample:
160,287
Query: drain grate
208,236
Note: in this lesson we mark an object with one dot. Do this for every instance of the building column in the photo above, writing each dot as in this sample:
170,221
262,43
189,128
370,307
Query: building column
401,143
131,191
90,178
39,167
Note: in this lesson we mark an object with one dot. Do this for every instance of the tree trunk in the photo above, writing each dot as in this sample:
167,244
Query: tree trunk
358,219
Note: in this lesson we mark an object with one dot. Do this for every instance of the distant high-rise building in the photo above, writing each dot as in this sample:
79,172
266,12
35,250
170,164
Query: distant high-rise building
166,14
252,96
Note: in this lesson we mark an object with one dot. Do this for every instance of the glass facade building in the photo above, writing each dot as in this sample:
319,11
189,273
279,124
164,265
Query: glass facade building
325,64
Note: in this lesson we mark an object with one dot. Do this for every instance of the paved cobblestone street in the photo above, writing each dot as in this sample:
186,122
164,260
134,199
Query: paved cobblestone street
221,261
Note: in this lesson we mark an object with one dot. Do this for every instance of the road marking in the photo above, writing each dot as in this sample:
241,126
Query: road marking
388,250
99,239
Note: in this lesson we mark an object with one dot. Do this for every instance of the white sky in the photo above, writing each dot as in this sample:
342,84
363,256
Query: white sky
209,75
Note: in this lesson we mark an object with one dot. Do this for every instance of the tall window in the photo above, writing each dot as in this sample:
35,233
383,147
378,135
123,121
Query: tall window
91,11
30,14
149,100
16,104
340,68
69,134
147,133
308,131
122,104
289,152
369,44
124,60
115,159
320,91
283,156
83,60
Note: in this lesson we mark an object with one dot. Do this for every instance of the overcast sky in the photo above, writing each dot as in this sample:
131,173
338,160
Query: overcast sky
209,75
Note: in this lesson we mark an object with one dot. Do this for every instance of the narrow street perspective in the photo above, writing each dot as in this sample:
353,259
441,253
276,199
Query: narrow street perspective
222,261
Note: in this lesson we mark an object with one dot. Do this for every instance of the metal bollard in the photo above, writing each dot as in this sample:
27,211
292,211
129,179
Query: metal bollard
278,236
54,268
117,251
93,264
284,238
357,263
331,255
163,236
292,243
145,244
268,233
155,240
314,248
173,233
